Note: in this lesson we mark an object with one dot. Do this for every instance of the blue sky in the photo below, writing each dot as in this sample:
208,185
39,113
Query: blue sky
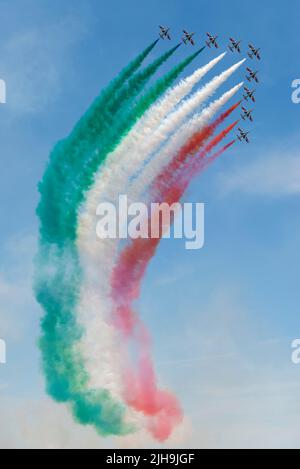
222,318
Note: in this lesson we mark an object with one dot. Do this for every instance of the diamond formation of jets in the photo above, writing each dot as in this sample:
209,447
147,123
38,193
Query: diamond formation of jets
212,41
234,45
188,37
164,33
242,135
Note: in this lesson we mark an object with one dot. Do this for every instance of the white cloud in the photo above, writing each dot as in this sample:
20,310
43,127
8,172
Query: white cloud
276,174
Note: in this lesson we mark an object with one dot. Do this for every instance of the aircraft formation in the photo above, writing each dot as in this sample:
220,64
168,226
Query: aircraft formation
234,46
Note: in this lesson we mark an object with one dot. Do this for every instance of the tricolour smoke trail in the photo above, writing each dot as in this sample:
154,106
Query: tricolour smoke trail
120,173
88,289
133,159
97,258
59,274
129,154
129,149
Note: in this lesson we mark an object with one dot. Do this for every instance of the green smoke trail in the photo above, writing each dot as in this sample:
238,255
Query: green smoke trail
66,378
58,277
104,99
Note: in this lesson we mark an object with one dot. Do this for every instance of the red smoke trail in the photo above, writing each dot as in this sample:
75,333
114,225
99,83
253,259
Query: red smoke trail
216,155
140,384
141,391
191,147
199,163
142,394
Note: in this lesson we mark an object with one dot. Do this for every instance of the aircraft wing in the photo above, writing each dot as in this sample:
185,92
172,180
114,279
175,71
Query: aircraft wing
192,41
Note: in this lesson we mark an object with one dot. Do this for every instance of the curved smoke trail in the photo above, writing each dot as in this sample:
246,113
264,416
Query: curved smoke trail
67,283
121,172
148,123
90,250
129,149
97,257
58,273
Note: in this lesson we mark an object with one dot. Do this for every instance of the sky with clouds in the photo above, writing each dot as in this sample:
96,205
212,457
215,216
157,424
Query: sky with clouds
222,318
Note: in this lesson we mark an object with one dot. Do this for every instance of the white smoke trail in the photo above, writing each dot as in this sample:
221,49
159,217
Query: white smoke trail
161,109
